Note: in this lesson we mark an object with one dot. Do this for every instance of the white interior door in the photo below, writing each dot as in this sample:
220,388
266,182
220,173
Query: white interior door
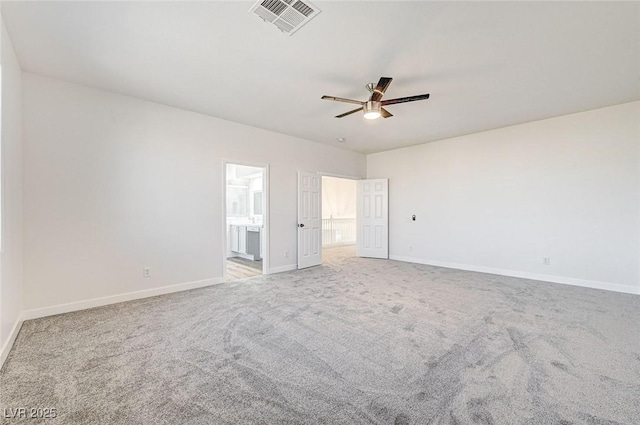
372,218
309,219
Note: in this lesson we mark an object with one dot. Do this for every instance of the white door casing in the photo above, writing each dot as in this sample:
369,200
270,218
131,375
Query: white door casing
372,217
309,219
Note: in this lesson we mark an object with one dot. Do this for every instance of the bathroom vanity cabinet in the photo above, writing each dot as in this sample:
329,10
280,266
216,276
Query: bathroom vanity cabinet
246,240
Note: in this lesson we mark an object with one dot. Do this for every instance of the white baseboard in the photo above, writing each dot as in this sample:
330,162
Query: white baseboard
113,299
6,348
607,286
287,268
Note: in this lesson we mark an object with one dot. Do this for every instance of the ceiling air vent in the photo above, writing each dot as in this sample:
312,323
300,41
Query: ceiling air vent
287,15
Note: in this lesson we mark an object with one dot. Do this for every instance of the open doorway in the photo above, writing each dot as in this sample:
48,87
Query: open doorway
339,228
245,220
327,227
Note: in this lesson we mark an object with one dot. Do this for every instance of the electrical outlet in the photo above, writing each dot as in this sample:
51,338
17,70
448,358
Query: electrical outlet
146,272
546,261
286,253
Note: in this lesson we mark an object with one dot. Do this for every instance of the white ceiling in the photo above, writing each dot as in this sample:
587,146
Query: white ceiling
486,64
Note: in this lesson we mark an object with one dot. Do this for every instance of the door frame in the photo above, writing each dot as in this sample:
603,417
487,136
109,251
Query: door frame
265,213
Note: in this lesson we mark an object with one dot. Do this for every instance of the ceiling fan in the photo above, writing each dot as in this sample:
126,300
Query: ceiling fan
373,108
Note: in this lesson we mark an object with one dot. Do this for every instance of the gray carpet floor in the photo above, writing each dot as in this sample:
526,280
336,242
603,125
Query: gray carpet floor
354,341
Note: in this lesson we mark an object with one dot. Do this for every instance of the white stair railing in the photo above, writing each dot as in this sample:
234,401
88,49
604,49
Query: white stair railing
338,231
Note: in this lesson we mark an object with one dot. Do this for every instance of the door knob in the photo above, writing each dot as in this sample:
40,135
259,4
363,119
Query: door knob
301,225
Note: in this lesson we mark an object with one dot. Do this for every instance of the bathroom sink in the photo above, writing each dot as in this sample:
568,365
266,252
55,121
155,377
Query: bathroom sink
246,223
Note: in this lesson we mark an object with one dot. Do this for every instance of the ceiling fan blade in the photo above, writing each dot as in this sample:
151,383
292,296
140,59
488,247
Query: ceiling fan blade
342,99
348,113
382,87
405,99
385,114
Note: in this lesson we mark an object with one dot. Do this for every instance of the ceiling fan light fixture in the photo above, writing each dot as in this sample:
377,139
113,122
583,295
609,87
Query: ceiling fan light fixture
372,110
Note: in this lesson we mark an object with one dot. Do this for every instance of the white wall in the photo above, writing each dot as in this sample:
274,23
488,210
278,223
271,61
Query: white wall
113,184
338,197
11,168
566,188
